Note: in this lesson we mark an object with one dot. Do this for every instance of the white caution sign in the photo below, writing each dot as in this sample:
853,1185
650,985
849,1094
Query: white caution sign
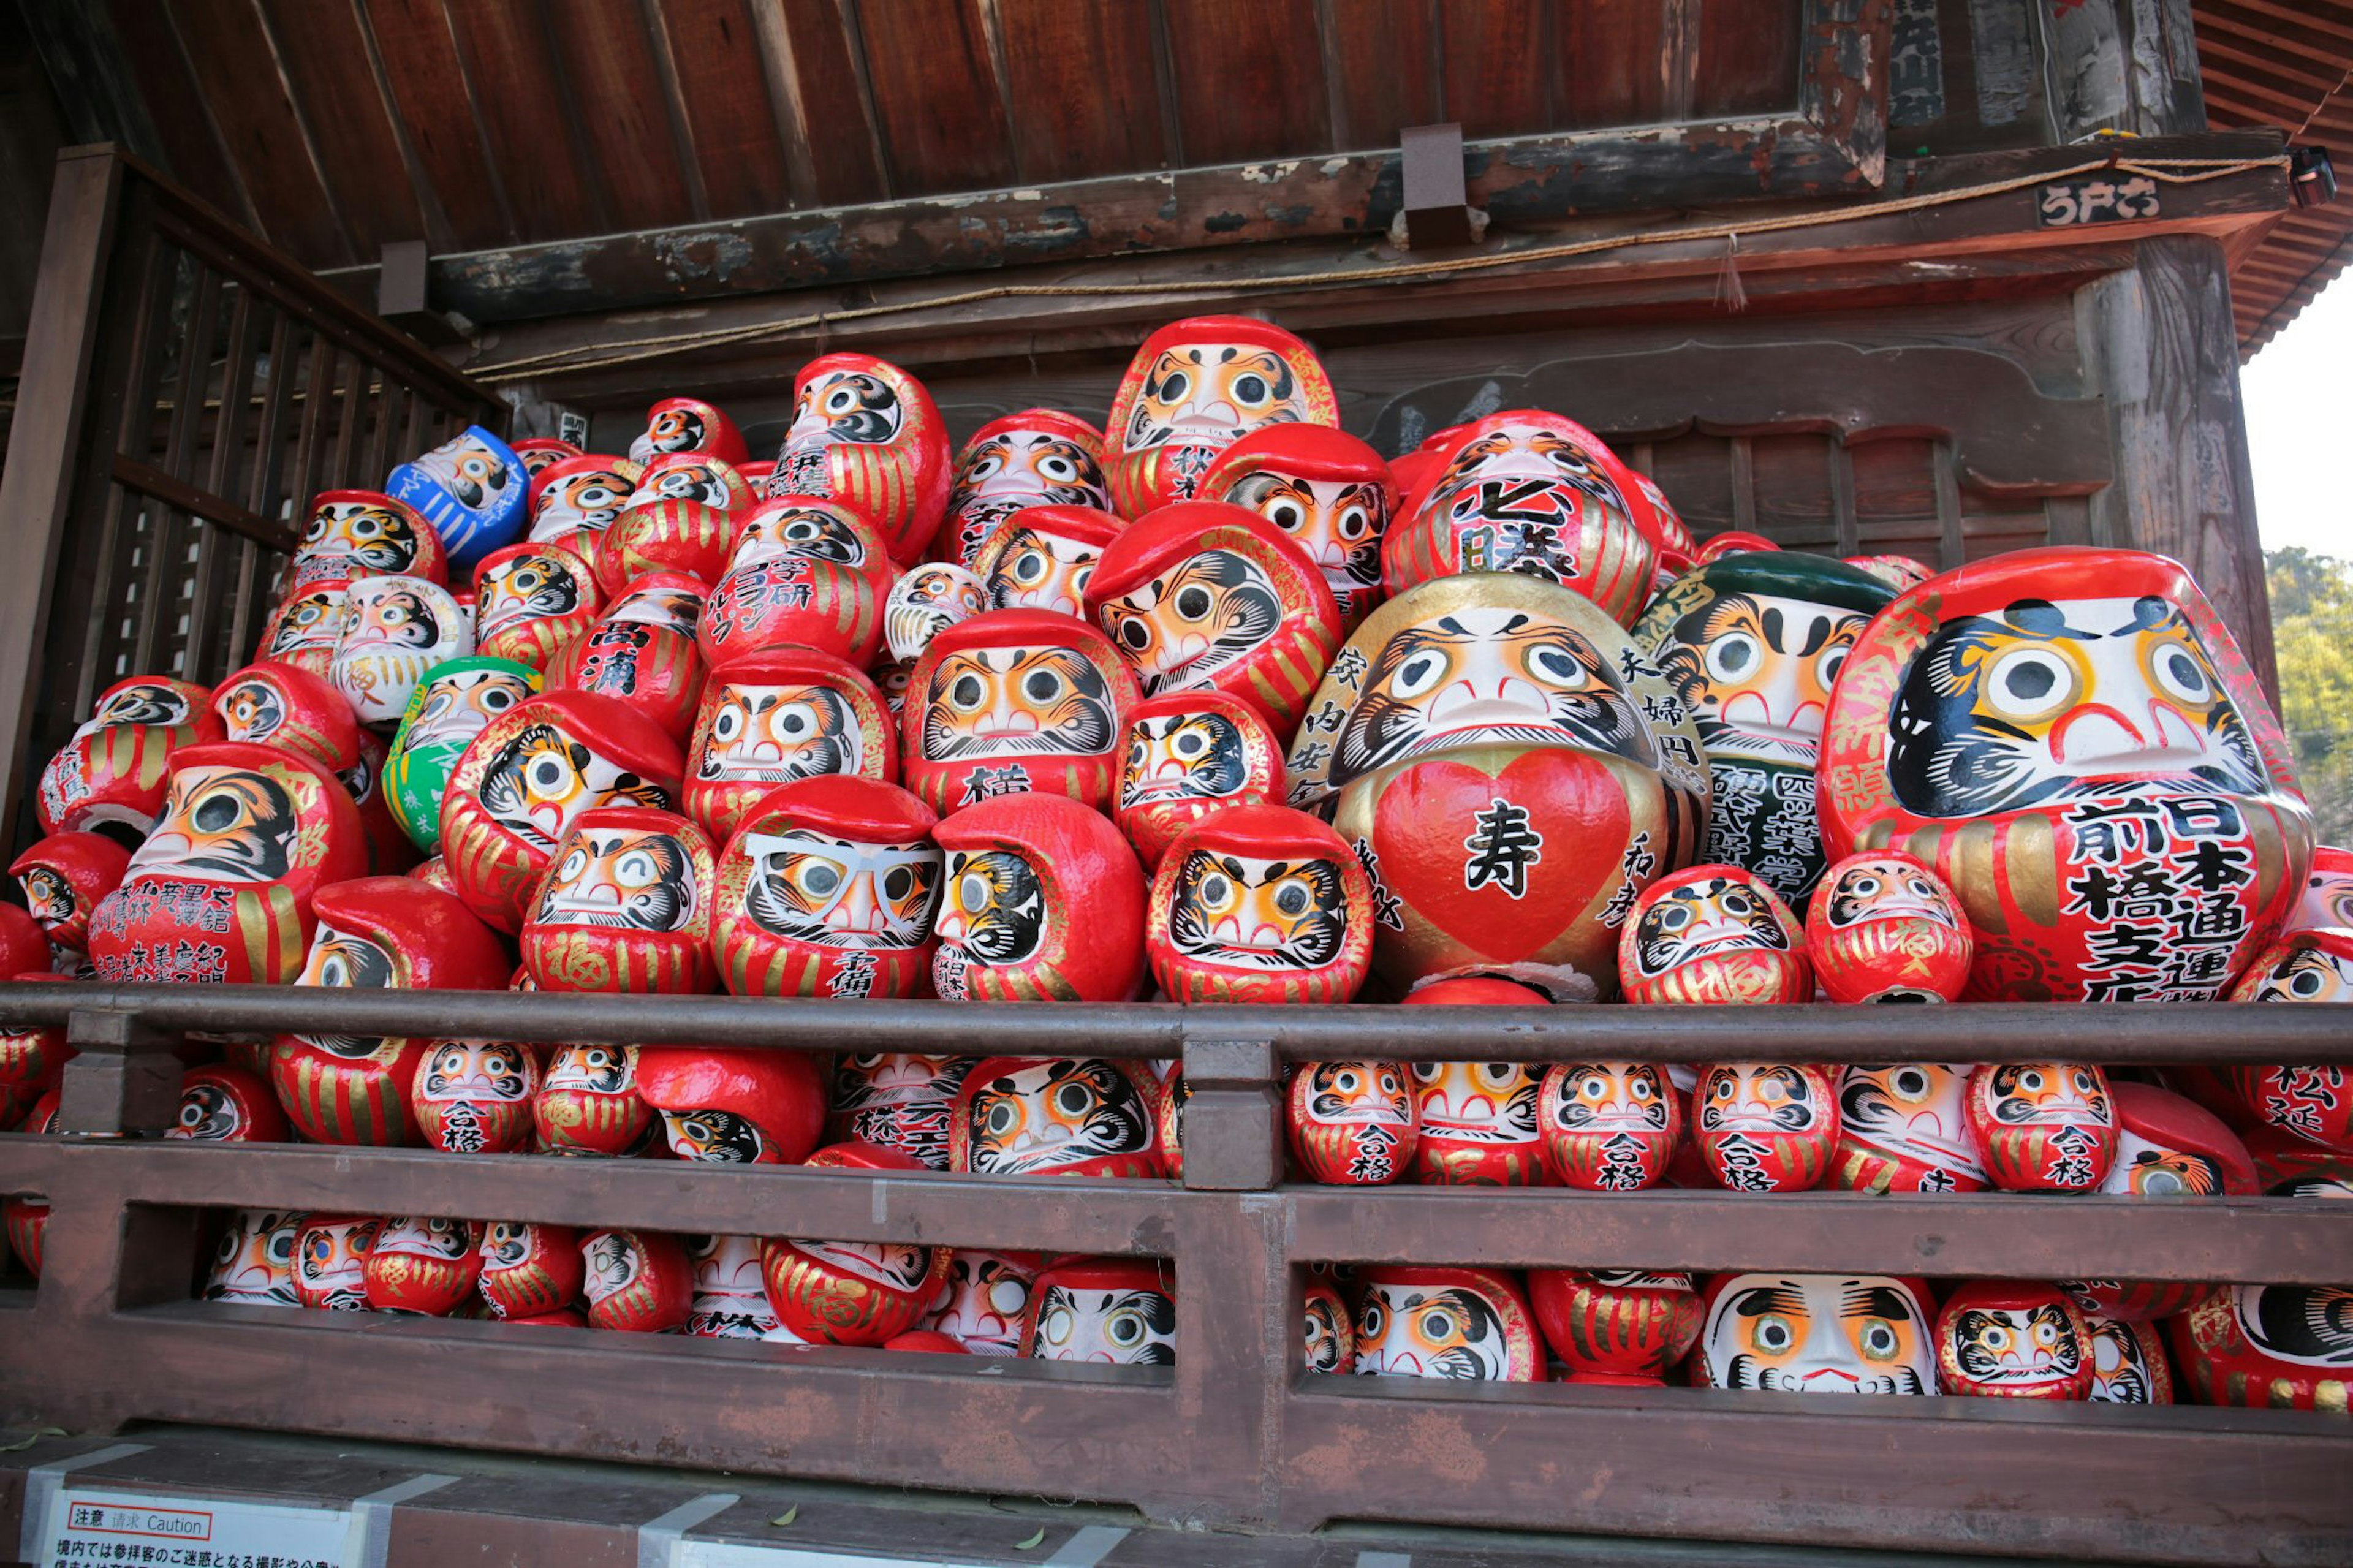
91,1525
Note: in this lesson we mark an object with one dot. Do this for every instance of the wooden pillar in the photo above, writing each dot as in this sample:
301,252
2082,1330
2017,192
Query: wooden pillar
2123,65
2164,351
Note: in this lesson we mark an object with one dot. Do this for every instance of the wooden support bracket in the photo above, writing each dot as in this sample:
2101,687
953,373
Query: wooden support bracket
1437,197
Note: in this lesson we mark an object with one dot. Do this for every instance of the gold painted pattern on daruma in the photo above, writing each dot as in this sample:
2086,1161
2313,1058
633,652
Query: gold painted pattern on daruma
272,926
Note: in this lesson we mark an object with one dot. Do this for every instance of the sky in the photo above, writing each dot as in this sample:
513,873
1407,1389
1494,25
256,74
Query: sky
2299,393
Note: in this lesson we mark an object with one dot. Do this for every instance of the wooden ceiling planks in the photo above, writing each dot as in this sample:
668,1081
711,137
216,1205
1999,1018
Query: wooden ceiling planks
1390,67
1743,56
184,121
1079,75
723,95
1617,62
1491,46
602,47
933,81
325,55
1249,78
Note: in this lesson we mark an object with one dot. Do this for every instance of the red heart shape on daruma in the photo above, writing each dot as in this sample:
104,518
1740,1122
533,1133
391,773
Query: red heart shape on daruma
1504,855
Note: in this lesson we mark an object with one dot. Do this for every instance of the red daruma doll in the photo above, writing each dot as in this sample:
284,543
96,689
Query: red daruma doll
2005,1339
113,769
1121,1310
1765,1127
376,933
1016,702
1466,1323
529,1271
1044,903
1330,494
423,1268
625,908
65,876
1353,1123
221,890
532,601
330,1255
1046,560
806,571
1478,1119
1259,903
643,653
1195,388
636,1281
589,1102
1191,754
474,1097
688,425
852,1292
1608,1127
828,890
2314,1105
1712,934
776,715
1040,456
2167,1147
1040,1116
866,434
224,1104
2042,1127
1884,927
1614,1326
735,1107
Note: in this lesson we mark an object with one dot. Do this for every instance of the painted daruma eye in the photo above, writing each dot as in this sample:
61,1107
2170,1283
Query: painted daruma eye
1734,657
2029,683
1880,1341
1417,675
1773,1333
2179,674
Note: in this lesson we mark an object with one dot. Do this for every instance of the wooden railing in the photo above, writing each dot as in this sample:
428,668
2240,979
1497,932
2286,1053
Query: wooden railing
1236,1433
186,391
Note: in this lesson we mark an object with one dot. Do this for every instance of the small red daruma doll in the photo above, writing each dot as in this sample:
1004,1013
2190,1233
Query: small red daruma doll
1608,1127
253,1263
353,534
740,1107
330,1255
540,453
532,601
1040,1116
2327,902
2129,1365
527,777
777,714
1040,456
1884,927
1765,1127
1121,1310
1478,1119
1469,1323
696,477
113,769
2042,1127
828,889
807,571
32,1063
2167,1147
925,602
983,1299
1615,1327
529,1271
636,1281
1330,494
65,876
625,908
221,890
664,534
643,653
1045,559
1195,388
1206,594
224,1104
474,1097
2009,1339
866,434
1712,934
1903,1127
1190,755
852,1292
305,626
2314,1104
425,1268
1259,903
1328,1331
896,1101
1353,1123
589,1102
688,425
1016,702
730,1301
1044,903
576,501
376,933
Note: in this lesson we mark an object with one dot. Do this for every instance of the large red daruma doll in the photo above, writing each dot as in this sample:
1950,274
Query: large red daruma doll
1190,755
776,715
828,889
1040,456
852,1292
1538,494
527,777
2071,739
285,706
626,906
376,933
734,1106
807,571
1043,902
1259,903
221,890
1509,770
866,434
1202,594
643,653
1329,493
1015,703
113,770
64,877
1195,388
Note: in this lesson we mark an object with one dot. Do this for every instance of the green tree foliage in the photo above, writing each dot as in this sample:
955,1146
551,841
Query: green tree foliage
2311,633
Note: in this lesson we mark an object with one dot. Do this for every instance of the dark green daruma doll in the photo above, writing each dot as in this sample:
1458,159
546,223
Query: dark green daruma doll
1752,644
451,704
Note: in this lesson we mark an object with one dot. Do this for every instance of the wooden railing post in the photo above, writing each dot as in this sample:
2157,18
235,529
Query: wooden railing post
36,484
1232,1120
123,1079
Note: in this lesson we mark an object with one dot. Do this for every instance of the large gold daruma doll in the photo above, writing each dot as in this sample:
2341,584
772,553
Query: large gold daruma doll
1509,770
2071,739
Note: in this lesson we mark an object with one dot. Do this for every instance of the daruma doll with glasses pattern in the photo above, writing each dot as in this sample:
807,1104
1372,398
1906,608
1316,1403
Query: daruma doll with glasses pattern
1752,645
1040,456
221,890
688,425
1190,755
829,889
2069,738
1042,901
807,571
1195,388
1016,702
774,715
1204,595
527,777
1329,493
377,933
1259,903
1817,1333
625,907
866,434
1538,495
113,770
